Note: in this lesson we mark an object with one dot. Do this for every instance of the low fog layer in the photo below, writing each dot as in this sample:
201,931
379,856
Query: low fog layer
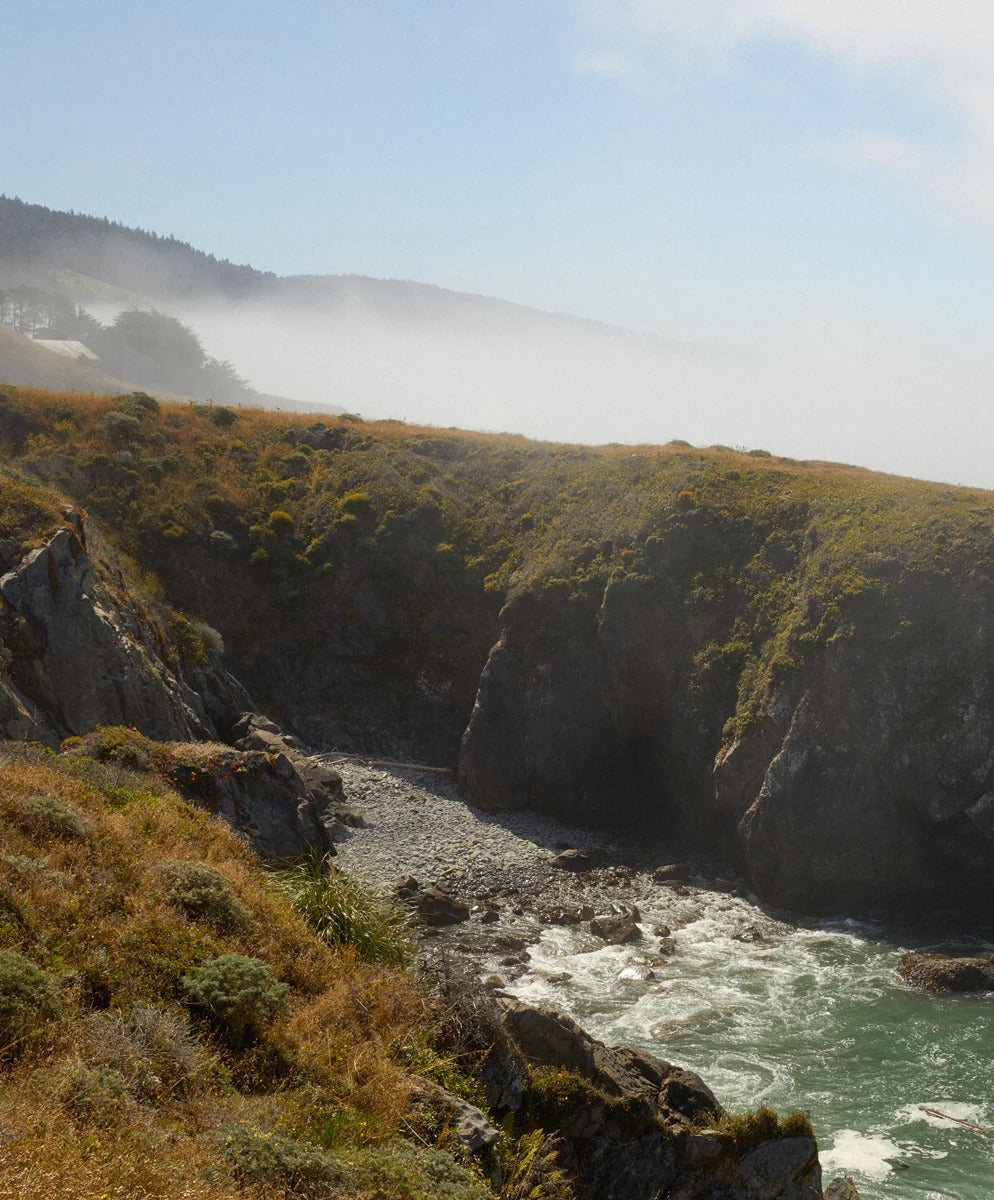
843,396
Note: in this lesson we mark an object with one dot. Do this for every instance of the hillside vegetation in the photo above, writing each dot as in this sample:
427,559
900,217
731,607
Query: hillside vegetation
660,622
170,1027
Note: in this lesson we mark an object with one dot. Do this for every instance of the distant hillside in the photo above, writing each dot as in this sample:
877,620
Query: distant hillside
380,347
23,361
40,243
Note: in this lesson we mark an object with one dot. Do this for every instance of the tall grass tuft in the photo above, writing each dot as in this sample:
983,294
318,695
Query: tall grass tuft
343,912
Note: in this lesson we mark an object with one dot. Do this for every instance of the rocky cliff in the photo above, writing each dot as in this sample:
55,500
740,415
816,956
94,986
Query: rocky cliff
788,662
81,650
847,757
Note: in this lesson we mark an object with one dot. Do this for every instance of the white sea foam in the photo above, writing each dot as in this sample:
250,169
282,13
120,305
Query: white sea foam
872,1155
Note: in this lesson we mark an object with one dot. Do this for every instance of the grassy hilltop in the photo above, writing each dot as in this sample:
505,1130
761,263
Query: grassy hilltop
370,561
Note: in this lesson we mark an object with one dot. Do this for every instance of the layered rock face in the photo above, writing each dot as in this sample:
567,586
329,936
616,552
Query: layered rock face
78,651
850,766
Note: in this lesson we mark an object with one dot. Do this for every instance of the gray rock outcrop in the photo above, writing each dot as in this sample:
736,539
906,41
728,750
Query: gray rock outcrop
80,650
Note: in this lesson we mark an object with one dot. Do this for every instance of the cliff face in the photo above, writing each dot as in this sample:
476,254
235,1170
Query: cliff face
788,661
79,651
850,765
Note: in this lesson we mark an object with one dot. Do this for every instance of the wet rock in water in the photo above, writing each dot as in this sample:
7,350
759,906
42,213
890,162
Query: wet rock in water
406,888
617,929
942,973
560,917
489,916
842,1188
572,860
636,973
662,931
667,947
436,908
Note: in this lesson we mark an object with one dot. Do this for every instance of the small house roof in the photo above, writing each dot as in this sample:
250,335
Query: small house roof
68,349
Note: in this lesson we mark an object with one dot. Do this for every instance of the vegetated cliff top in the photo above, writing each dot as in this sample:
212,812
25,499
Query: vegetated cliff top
343,537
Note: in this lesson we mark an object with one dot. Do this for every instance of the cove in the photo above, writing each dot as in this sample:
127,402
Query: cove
770,1012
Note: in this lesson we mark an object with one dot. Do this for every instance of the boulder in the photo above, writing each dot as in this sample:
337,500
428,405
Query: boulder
552,1039
842,1188
472,1130
942,973
616,928
436,908
572,860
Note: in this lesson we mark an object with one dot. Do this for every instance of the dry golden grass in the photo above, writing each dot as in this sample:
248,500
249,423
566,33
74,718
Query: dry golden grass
82,898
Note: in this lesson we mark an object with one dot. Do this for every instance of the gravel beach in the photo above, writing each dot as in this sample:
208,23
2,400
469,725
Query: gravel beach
497,864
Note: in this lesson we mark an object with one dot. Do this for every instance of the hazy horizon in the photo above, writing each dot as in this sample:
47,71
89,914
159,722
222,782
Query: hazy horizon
801,193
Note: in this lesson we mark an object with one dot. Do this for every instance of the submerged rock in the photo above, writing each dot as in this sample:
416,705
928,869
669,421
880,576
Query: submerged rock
942,973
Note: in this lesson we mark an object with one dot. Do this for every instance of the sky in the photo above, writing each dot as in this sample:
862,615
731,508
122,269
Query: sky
800,185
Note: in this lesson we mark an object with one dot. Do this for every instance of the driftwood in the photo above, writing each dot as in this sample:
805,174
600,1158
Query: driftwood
934,1112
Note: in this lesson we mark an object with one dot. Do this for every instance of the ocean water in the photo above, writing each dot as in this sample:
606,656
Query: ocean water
810,1016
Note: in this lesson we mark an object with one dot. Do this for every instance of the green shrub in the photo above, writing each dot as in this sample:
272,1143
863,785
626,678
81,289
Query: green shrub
355,503
290,1167
532,1172
203,894
237,995
280,521
342,912
94,1094
27,1000
48,816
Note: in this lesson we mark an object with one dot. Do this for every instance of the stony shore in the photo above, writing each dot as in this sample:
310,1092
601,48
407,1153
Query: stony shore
501,866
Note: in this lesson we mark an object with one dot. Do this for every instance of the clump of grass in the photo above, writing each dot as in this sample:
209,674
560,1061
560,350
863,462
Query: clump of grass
153,1051
96,1095
762,1124
201,893
28,998
51,817
342,912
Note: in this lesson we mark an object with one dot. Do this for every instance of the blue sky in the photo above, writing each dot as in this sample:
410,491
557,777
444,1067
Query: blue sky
736,172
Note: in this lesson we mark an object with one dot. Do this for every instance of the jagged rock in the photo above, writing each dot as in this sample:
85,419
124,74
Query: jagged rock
572,860
782,1170
842,1188
616,929
253,731
670,873
80,653
436,908
259,795
470,1126
942,973
549,1038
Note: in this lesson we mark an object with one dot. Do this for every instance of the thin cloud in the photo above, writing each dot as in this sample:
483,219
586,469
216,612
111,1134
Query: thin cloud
945,51
608,64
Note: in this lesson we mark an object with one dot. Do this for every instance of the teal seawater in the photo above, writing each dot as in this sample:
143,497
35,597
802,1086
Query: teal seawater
812,1017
